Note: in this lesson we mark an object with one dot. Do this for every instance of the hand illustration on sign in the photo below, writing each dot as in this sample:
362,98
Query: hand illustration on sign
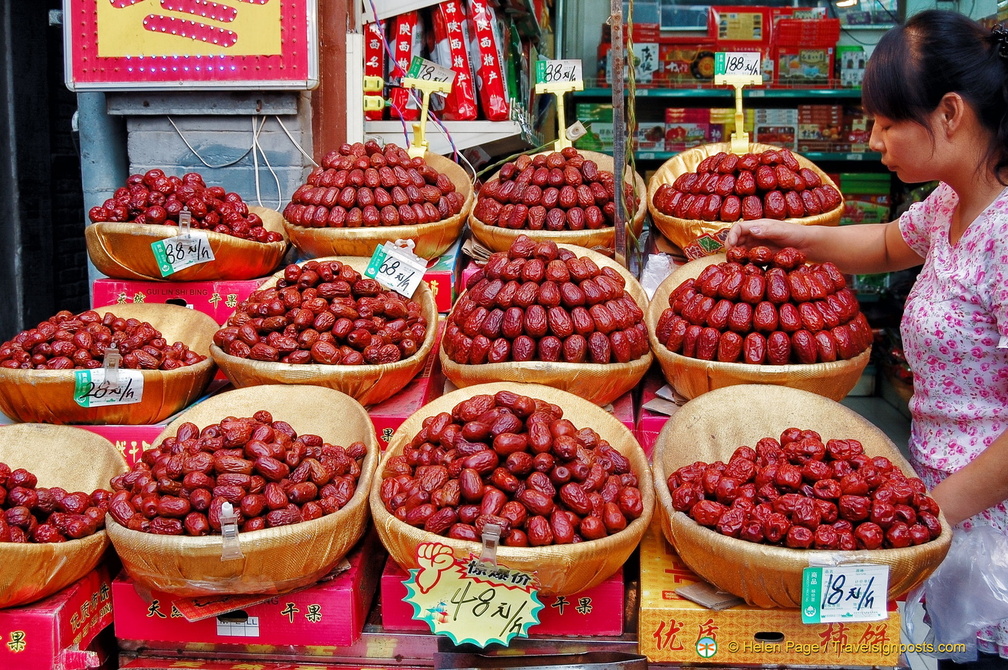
433,559
189,29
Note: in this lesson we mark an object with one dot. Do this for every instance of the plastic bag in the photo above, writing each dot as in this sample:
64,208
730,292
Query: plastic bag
968,591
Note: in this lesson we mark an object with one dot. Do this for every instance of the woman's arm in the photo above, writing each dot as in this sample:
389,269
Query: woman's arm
856,249
981,484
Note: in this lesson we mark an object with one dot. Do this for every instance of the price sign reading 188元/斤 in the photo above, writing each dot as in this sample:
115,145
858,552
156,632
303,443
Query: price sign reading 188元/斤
738,64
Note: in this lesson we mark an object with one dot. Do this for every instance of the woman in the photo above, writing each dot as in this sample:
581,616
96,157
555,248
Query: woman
937,88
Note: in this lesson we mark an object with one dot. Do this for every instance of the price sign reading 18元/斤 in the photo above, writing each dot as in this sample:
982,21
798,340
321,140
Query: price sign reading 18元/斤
425,70
738,64
844,593
558,71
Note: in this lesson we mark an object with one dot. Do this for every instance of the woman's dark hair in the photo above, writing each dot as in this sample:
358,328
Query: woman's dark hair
937,52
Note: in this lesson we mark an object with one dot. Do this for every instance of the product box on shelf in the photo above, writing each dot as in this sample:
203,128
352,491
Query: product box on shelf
672,629
792,31
804,66
595,611
867,197
682,64
722,123
850,64
329,613
686,127
778,127
58,631
597,119
819,127
734,24
650,136
389,414
215,298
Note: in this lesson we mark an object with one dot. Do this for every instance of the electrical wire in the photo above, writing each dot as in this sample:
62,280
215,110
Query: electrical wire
203,160
256,150
294,142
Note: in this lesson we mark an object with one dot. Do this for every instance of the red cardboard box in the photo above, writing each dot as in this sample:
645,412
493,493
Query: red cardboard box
650,421
131,441
329,613
216,298
57,632
389,414
441,274
734,24
623,409
596,611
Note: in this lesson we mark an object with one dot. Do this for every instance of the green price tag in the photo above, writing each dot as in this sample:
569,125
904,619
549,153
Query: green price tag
182,251
844,593
396,269
738,64
425,70
470,601
565,71
91,389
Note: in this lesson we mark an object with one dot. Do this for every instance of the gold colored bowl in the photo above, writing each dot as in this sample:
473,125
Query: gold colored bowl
274,560
497,238
709,429
47,396
691,377
682,232
432,239
368,384
596,383
73,459
561,569
123,251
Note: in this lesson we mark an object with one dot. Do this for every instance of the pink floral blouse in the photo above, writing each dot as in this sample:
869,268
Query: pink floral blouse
955,337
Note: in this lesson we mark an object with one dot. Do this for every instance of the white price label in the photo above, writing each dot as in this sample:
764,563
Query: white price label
576,131
92,389
844,593
425,70
396,269
182,251
558,71
738,64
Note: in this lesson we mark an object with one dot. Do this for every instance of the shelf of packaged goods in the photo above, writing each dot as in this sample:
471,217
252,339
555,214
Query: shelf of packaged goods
503,135
728,93
814,156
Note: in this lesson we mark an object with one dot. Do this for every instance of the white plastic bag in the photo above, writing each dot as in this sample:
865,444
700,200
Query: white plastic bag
968,591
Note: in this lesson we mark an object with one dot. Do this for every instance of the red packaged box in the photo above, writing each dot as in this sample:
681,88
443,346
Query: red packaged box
487,53
406,42
735,24
804,66
330,613
374,59
595,611
623,409
57,632
131,441
685,63
440,276
451,39
806,32
389,414
654,412
216,298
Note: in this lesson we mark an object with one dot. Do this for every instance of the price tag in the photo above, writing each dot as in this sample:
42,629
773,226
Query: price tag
95,388
844,593
182,251
738,64
558,71
425,70
470,601
396,269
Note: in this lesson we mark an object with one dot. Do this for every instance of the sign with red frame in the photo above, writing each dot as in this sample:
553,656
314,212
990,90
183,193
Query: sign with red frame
160,45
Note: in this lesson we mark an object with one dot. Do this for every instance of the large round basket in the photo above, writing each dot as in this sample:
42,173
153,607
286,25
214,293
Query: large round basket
560,569
368,384
709,429
73,459
274,560
691,377
432,239
47,396
123,251
497,238
682,232
597,383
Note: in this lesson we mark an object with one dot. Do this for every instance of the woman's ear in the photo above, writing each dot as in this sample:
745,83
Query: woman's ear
951,111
